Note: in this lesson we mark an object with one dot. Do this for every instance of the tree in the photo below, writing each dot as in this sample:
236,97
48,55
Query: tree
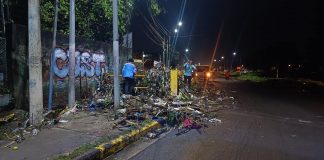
93,17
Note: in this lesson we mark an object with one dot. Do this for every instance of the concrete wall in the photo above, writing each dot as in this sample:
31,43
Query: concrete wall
93,58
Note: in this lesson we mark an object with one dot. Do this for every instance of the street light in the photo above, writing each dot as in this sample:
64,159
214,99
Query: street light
234,54
187,50
215,61
223,62
170,49
143,56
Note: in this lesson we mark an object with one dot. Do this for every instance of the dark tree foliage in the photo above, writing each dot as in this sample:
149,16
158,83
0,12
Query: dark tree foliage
93,17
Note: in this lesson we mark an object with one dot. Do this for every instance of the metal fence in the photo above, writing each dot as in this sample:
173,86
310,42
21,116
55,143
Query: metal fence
3,61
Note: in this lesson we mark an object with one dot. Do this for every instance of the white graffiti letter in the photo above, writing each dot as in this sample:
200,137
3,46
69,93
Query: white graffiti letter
61,67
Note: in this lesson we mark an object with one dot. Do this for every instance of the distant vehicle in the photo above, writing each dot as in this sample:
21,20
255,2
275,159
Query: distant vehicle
202,72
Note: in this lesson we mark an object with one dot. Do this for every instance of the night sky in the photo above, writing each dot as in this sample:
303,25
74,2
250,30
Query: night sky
262,33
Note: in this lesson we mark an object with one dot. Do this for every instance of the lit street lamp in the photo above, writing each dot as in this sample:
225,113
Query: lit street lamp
170,47
143,56
223,62
234,54
187,50
215,61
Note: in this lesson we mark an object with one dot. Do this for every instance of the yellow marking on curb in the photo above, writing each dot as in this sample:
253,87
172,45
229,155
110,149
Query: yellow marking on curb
101,148
133,133
120,142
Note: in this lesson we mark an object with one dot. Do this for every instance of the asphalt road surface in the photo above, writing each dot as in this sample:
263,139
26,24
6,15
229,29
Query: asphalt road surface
274,120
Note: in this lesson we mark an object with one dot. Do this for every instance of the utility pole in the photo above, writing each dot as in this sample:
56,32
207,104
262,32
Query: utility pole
116,55
72,55
35,64
50,94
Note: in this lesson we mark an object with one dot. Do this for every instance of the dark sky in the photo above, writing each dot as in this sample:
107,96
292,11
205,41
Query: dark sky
261,32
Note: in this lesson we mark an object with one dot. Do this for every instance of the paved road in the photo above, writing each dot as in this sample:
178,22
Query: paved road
272,121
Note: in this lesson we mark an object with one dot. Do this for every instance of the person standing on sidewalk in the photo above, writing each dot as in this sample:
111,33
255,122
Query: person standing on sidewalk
128,72
188,69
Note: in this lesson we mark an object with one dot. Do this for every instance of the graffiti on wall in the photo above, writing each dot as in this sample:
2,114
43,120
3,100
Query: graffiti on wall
86,63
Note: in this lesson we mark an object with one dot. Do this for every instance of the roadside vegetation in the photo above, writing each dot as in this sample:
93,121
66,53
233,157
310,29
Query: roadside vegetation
252,76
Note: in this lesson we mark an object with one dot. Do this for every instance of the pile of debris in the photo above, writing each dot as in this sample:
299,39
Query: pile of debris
190,109
15,127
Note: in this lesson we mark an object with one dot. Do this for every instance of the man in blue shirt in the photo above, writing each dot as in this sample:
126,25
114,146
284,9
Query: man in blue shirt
128,72
188,69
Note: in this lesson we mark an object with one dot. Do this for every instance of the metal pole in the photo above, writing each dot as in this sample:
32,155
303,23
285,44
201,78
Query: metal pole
50,94
72,55
116,56
35,64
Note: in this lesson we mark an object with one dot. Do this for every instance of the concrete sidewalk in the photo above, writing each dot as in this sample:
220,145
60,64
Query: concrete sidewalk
47,144
82,128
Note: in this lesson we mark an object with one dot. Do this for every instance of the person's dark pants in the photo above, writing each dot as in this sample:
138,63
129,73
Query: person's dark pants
187,80
129,85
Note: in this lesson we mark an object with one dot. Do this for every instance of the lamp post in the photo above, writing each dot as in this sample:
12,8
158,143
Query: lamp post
223,62
234,54
186,54
169,47
215,61
143,55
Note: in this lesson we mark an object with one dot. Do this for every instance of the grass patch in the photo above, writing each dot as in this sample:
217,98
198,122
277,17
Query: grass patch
252,76
82,149
87,147
77,152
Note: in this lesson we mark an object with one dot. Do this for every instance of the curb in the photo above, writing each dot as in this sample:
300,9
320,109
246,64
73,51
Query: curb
104,150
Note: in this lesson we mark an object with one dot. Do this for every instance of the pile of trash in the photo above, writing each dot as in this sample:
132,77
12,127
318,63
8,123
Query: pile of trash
190,109
15,127
157,81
